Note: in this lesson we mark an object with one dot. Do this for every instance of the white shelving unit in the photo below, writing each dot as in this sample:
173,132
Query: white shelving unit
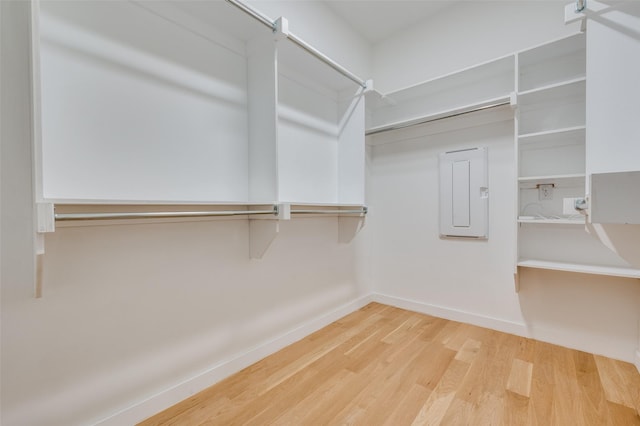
189,107
189,103
547,85
550,144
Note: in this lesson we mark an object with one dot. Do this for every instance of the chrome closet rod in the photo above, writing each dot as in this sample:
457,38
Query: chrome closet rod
299,42
361,211
147,215
429,120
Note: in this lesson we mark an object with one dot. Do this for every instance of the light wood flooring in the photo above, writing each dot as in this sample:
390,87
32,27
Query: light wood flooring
386,366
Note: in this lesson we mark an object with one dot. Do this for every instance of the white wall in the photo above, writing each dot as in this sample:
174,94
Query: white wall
318,25
136,317
465,34
472,280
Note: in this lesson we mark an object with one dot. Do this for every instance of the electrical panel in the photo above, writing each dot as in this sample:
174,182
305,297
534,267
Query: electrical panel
464,193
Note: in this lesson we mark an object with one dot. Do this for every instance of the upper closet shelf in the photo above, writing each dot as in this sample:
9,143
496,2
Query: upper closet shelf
454,112
475,87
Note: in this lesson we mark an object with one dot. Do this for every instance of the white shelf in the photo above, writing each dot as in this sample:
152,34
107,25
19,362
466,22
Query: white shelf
554,221
550,177
580,268
439,115
552,62
475,85
547,134
567,179
562,90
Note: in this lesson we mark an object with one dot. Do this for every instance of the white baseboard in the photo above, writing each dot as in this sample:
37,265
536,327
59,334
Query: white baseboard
637,361
510,327
150,406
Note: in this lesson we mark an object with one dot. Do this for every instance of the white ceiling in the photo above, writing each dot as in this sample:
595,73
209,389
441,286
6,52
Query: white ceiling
379,19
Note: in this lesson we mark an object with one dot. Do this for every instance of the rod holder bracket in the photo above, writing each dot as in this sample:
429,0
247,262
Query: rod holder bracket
284,211
45,217
281,29
368,86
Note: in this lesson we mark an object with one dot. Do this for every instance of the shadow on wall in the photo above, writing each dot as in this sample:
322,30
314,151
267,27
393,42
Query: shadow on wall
590,312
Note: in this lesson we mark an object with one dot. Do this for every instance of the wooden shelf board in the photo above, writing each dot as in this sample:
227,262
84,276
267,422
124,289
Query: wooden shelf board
614,271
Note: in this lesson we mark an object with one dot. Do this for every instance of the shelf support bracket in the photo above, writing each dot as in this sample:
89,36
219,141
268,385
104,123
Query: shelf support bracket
349,226
264,230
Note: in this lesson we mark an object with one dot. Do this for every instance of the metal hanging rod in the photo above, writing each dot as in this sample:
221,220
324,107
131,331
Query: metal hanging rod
275,211
299,42
147,215
437,118
314,52
254,14
363,210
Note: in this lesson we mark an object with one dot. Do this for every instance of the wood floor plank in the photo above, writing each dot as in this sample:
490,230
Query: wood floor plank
385,365
520,377
620,385
438,403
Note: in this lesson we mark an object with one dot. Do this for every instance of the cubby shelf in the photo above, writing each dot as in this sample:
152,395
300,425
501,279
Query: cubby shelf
537,137
547,178
580,268
560,89
553,221
550,132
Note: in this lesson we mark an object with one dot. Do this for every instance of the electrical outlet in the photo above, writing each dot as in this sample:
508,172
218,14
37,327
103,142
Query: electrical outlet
545,192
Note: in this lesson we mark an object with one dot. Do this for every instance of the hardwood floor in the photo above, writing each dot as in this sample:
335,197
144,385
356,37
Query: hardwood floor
386,366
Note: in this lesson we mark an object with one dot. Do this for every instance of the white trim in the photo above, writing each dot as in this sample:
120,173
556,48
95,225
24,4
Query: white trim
181,391
519,329
637,360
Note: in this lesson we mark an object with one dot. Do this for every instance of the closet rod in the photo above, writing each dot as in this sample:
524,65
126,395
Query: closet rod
147,215
363,210
299,42
313,51
431,119
254,14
